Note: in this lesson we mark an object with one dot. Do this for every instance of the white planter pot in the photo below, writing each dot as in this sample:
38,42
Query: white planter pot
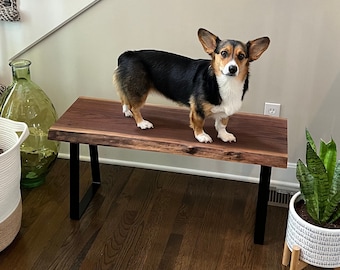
319,246
10,174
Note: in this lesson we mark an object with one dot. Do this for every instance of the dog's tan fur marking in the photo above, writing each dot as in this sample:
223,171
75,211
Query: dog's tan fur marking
133,102
225,121
196,122
120,92
207,107
243,64
137,114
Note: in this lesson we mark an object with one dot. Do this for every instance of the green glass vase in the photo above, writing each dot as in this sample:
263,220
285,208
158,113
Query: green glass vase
25,101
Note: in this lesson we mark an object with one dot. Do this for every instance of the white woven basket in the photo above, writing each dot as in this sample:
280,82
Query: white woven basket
10,174
319,246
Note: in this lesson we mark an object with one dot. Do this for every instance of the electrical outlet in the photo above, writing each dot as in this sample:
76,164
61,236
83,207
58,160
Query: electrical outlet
272,109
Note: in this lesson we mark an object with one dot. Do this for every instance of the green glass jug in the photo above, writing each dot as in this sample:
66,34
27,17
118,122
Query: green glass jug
25,101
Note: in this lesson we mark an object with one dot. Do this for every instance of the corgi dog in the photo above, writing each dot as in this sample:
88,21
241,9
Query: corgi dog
210,88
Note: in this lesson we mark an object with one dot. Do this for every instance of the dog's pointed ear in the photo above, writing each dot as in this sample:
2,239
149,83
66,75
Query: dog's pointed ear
256,47
208,40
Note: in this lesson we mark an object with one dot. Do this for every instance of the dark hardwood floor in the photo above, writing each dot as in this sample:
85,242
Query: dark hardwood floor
145,219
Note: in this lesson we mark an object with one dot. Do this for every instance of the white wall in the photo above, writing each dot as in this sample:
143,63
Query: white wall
300,70
38,20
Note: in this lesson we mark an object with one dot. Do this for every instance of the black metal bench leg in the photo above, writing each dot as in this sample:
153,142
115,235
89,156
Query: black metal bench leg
94,165
262,204
74,181
78,207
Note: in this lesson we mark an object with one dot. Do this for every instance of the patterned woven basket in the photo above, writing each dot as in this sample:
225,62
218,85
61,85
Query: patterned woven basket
10,174
9,11
319,246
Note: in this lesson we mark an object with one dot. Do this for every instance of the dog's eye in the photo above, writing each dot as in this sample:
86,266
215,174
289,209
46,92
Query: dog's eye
224,54
241,56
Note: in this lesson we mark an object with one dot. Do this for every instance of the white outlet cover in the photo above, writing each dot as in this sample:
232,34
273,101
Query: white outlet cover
272,109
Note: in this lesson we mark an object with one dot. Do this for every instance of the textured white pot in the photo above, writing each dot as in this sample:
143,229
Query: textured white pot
10,174
319,246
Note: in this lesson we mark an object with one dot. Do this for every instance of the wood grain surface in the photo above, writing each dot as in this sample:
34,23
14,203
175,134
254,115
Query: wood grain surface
261,139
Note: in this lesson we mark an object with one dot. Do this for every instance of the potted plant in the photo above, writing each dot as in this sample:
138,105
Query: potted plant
316,234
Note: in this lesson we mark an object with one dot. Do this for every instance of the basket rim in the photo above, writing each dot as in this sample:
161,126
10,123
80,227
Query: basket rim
14,126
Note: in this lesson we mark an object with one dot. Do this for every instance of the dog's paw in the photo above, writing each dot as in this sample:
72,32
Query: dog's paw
203,138
145,125
127,112
226,137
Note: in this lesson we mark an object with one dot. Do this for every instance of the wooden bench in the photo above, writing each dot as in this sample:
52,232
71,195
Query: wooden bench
261,140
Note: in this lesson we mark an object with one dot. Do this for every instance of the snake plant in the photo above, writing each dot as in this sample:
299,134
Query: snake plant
320,181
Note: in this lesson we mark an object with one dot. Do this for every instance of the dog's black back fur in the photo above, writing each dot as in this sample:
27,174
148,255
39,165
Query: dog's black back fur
147,67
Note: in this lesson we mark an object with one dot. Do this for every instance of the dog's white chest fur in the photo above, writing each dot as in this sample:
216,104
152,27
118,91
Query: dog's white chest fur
231,91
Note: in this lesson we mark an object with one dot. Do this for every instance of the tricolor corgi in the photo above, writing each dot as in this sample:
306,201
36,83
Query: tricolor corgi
210,88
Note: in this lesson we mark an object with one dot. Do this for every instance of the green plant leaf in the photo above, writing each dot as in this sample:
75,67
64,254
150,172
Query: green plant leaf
328,156
335,187
320,181
306,180
317,169
336,215
310,140
332,210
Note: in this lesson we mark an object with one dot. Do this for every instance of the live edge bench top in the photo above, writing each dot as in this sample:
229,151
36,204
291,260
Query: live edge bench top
261,139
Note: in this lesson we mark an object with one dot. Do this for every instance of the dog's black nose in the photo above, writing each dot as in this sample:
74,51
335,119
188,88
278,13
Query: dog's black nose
233,69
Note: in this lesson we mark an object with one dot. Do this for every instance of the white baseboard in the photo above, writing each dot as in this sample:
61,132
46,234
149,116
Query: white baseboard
281,179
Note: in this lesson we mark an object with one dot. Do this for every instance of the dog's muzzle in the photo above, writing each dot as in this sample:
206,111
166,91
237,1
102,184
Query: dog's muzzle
231,69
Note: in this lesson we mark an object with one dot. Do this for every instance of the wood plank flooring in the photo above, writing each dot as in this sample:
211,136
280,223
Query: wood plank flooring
144,219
